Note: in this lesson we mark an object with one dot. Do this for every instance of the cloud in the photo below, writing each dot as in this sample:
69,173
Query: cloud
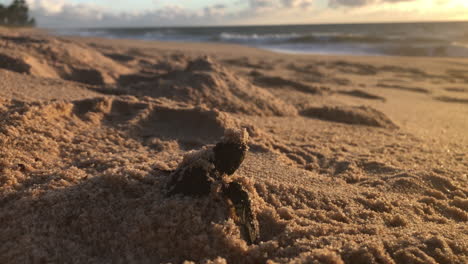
62,13
262,3
215,10
61,8
297,3
350,3
68,13
398,1
266,4
360,3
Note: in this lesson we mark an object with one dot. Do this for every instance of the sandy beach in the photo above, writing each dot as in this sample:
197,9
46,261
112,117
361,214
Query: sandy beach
348,159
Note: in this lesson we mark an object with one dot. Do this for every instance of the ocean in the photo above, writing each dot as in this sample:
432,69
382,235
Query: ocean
447,39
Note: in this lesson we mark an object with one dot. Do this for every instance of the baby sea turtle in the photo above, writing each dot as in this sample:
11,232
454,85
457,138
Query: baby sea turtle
201,169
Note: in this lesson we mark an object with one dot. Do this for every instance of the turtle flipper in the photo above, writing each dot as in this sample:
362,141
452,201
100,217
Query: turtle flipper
239,199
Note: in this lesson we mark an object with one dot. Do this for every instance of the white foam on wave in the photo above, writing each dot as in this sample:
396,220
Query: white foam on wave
265,37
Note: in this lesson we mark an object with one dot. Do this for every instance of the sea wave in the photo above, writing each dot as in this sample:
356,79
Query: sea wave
338,38
83,32
256,37
288,37
433,39
326,37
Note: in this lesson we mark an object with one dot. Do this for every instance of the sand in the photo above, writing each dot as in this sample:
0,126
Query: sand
350,159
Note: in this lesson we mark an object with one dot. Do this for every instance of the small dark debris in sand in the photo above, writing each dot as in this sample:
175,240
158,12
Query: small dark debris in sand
362,94
200,170
362,115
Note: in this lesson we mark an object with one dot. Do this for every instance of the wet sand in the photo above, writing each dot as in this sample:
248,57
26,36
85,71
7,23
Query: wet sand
350,159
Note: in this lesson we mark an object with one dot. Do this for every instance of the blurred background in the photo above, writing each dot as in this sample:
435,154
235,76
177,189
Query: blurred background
354,27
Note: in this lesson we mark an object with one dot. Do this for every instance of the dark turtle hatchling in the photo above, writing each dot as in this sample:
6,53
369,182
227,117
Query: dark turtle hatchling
199,170
228,156
192,181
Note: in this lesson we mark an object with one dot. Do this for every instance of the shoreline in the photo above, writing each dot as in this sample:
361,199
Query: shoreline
245,48
366,39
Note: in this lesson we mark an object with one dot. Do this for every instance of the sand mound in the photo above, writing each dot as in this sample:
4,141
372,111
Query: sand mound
154,122
205,82
47,57
362,115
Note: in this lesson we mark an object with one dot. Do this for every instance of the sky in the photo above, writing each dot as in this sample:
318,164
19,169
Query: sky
153,13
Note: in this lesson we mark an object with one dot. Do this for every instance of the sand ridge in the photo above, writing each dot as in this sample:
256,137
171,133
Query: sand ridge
203,81
57,58
331,178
